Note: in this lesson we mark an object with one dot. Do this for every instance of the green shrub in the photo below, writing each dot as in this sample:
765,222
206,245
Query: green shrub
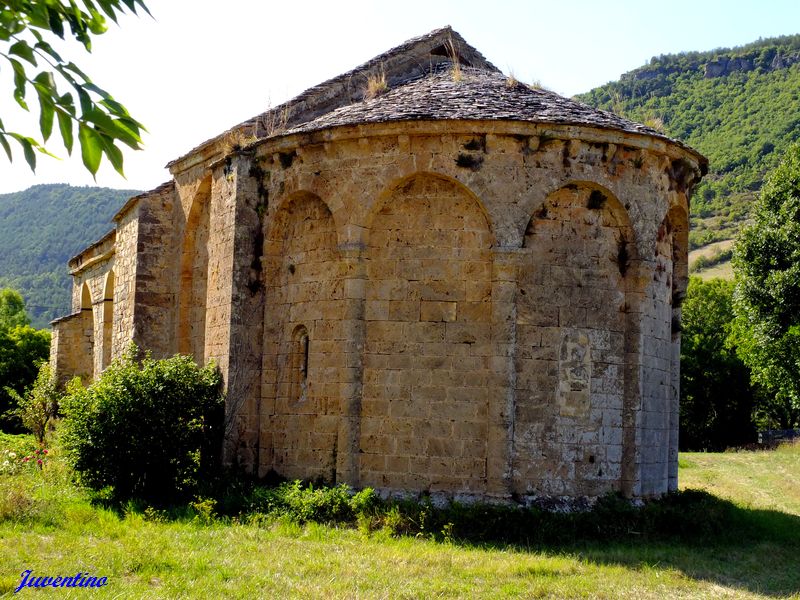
691,516
39,405
145,430
304,503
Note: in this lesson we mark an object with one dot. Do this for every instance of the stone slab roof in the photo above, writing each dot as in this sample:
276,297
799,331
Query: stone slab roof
108,239
473,94
421,86
411,59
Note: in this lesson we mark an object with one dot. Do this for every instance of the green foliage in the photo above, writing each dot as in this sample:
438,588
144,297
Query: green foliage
146,430
706,262
204,510
12,309
690,544
39,405
304,503
717,400
40,230
767,266
13,450
742,121
688,515
35,487
27,30
22,349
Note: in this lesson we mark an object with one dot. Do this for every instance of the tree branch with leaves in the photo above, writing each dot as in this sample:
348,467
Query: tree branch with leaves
66,95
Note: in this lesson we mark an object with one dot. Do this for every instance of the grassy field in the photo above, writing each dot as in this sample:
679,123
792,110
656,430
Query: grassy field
760,480
710,250
722,270
49,526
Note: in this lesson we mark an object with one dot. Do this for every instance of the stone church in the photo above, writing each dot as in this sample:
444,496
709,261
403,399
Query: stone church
420,276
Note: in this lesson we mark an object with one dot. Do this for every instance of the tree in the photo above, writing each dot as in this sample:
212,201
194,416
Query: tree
22,350
27,28
717,400
39,405
12,309
766,263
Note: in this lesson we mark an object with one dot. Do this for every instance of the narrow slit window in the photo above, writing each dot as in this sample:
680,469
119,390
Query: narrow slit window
304,345
298,363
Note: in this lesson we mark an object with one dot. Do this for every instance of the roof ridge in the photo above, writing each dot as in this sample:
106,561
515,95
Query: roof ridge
401,63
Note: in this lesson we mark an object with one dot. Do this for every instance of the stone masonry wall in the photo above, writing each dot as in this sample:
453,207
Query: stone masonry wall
428,340
462,302
71,347
125,281
417,306
191,229
156,277
303,357
482,314
82,343
570,344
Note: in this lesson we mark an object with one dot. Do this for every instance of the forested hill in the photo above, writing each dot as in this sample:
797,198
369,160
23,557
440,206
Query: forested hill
738,106
43,227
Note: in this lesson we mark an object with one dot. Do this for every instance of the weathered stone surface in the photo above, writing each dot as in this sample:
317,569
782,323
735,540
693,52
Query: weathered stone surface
463,286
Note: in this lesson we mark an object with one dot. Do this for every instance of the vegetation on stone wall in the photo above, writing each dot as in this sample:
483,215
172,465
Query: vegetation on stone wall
43,227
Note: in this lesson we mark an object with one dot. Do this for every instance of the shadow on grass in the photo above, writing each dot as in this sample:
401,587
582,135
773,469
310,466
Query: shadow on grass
758,551
693,532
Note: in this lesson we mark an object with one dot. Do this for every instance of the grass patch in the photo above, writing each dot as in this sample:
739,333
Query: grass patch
264,542
376,85
767,479
723,270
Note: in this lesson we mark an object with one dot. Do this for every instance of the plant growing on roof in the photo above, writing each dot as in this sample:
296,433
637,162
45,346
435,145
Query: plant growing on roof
376,85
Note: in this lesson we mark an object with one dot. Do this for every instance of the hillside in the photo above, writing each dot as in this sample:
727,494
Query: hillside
738,106
43,227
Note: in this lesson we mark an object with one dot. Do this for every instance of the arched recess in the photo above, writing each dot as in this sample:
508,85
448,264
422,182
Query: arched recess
578,261
304,362
108,318
408,182
673,244
194,276
670,281
87,336
428,342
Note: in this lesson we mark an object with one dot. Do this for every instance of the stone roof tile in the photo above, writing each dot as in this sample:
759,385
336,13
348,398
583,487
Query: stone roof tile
422,87
476,94
410,59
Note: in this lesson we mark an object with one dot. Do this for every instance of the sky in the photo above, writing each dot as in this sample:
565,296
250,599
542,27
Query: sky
198,67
